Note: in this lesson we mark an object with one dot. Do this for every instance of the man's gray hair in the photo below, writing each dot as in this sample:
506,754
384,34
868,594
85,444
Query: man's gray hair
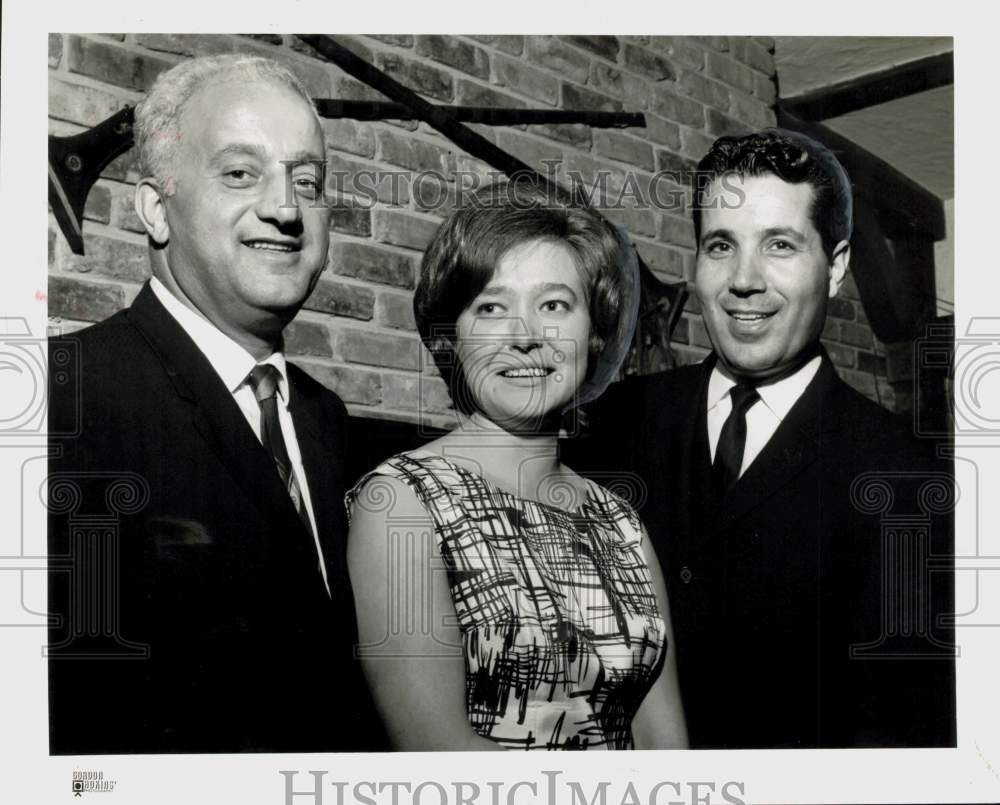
157,116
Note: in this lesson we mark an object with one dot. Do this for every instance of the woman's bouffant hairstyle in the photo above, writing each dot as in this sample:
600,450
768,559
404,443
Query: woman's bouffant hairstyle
793,158
467,248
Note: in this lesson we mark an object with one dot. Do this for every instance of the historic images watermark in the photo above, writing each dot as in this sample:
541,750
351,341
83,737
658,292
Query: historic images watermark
553,788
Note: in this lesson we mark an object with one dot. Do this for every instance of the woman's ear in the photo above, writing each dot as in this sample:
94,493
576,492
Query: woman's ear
150,208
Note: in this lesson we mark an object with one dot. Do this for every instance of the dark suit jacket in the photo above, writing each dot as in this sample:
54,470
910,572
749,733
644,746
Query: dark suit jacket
772,586
191,612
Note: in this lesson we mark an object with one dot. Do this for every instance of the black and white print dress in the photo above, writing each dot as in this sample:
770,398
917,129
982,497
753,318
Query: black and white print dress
560,628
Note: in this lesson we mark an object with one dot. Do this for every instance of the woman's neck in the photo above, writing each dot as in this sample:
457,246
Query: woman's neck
524,463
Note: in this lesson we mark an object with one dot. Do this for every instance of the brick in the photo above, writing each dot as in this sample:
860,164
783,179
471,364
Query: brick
74,298
395,310
399,40
691,304
849,288
433,194
623,148
113,64
401,229
469,93
765,89
695,144
873,364
752,110
118,259
365,182
667,195
123,214
720,124
559,57
85,106
514,45
520,77
729,71
341,299
55,49
677,231
421,78
574,97
841,355
760,58
667,263
688,356
379,349
632,90
719,43
840,309
663,131
604,46
681,50
417,155
856,334
352,384
573,133
831,330
862,317
678,108
697,334
350,136
636,221
346,88
738,47
681,331
454,52
860,381
677,166
353,44
530,150
308,338
703,89
98,205
415,392
600,180
648,64
372,263
351,220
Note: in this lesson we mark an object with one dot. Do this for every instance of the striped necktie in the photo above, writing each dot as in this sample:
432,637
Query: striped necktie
263,380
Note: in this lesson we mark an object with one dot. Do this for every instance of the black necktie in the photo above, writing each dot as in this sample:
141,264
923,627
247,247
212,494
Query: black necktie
264,382
733,438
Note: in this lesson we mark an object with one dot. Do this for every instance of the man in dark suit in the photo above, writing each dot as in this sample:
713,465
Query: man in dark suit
196,538
804,614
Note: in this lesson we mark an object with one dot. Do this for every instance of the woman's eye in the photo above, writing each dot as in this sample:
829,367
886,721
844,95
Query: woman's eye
487,308
555,306
782,245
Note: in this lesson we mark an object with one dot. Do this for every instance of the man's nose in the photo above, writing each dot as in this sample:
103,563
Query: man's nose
747,275
277,202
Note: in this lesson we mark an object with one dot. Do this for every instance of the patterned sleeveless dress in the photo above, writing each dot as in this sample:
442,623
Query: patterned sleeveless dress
560,628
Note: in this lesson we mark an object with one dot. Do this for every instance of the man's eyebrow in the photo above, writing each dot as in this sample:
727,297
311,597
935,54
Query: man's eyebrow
718,232
785,231
240,149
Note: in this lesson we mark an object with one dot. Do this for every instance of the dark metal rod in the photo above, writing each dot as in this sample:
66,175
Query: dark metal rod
489,116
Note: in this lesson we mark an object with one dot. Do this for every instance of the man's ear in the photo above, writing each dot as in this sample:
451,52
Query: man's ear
151,210
838,267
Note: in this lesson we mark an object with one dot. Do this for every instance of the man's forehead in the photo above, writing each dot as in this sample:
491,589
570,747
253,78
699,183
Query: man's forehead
765,200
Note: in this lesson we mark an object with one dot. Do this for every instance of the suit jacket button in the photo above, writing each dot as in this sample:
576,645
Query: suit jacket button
686,574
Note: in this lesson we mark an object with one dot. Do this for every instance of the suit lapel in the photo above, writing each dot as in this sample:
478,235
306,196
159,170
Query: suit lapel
215,414
792,448
323,467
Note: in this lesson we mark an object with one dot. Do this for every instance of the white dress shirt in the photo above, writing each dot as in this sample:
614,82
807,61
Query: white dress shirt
764,416
233,364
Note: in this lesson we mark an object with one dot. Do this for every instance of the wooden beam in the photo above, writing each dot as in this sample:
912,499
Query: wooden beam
905,208
872,89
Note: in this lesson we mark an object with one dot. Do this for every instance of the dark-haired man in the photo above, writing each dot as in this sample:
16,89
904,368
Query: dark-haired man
757,462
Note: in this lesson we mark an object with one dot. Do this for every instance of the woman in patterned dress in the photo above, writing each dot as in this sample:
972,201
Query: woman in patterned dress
548,627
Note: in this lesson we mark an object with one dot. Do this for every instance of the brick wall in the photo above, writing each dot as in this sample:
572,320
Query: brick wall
356,333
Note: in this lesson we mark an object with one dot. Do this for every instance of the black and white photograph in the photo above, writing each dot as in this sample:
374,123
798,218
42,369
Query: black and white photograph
389,395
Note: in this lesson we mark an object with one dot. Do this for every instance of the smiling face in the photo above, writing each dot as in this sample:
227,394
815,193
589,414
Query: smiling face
762,276
522,342
242,243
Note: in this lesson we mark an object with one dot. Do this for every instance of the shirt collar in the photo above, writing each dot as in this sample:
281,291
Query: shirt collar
229,360
779,397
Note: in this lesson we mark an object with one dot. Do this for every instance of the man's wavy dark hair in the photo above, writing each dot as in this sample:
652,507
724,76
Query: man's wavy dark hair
793,158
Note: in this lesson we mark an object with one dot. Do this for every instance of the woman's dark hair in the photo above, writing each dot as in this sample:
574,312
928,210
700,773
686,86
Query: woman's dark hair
467,248
793,158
